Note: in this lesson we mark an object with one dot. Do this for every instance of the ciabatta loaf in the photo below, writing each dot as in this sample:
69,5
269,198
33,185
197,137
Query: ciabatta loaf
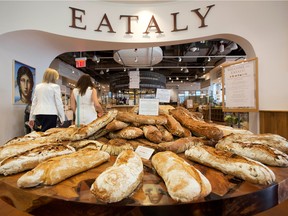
31,158
262,153
232,164
120,180
57,169
183,181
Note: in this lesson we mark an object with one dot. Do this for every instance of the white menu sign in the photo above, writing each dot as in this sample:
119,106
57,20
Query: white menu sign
148,106
163,95
240,85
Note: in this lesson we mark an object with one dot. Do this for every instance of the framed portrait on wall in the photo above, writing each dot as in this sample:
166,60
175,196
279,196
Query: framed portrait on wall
23,83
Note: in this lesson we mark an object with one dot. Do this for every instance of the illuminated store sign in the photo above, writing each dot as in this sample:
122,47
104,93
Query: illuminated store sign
78,14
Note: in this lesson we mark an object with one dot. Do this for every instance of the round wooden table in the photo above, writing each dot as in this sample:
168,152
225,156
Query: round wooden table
229,196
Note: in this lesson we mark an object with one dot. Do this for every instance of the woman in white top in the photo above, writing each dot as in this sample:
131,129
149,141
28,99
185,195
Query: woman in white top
86,95
47,104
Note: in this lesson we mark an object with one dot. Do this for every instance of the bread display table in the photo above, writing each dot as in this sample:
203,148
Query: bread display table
230,196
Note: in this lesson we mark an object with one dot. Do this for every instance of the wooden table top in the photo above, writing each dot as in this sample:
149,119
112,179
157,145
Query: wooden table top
229,196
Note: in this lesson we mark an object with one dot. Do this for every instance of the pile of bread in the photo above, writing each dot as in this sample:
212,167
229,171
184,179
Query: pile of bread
57,154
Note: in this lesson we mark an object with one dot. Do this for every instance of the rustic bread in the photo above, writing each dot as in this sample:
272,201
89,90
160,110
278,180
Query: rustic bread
152,133
141,119
272,140
199,128
181,145
227,130
183,181
31,158
116,125
232,164
174,127
120,180
91,128
57,169
166,135
264,154
126,133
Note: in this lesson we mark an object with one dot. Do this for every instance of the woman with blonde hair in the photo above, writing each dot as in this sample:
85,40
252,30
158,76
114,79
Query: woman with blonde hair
47,104
84,101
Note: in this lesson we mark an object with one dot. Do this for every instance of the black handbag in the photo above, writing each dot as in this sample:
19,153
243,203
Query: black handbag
37,125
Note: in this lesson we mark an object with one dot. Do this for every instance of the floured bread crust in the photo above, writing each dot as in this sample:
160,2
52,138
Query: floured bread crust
31,158
126,133
272,140
232,164
57,169
262,153
141,119
120,180
183,181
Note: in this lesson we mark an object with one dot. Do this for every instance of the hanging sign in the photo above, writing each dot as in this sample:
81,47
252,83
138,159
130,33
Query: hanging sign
80,62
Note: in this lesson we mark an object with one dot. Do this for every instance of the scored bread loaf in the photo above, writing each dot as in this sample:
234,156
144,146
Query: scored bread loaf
197,127
232,164
116,125
174,127
126,133
152,133
141,119
57,169
264,154
268,139
183,181
120,180
31,158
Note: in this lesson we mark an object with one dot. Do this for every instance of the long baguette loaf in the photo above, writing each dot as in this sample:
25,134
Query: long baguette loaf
264,154
174,127
31,158
166,135
120,180
116,125
200,128
272,140
141,119
57,169
182,144
232,164
91,128
183,181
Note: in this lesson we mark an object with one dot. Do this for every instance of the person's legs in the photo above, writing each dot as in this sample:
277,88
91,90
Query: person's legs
46,121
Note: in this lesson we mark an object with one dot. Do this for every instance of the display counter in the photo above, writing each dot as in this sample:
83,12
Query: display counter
229,196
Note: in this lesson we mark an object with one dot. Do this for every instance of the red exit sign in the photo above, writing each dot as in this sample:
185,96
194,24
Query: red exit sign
80,62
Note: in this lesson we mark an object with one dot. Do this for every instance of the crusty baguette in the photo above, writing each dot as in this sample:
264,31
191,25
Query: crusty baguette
116,125
126,133
272,140
183,181
57,169
110,149
120,180
152,133
264,154
31,158
227,130
141,119
166,135
174,127
199,128
18,148
182,144
232,164
91,128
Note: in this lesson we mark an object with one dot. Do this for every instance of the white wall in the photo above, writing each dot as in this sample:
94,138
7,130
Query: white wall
36,32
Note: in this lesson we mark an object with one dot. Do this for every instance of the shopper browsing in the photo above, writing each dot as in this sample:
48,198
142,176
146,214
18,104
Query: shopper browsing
47,104
84,101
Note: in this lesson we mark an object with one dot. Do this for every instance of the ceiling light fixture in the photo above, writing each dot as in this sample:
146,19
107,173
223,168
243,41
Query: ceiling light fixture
179,59
107,70
151,69
221,47
101,72
186,70
234,46
136,59
194,49
204,69
209,59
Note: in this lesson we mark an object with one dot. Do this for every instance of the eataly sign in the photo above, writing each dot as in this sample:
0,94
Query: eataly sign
78,14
